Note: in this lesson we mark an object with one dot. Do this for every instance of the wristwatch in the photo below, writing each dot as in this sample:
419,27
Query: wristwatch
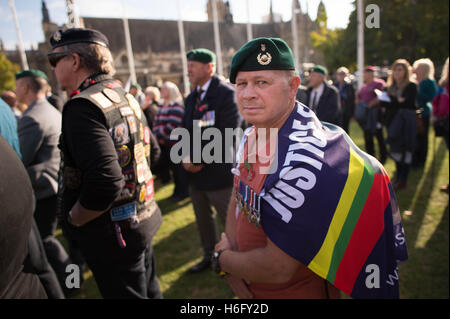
215,264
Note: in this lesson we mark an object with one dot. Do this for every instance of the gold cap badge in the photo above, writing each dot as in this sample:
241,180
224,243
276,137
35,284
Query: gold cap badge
264,58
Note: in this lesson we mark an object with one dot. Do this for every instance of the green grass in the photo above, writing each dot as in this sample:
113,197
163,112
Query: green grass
424,212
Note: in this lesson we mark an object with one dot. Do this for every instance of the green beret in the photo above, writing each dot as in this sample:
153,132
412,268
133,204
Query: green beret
136,86
31,73
201,55
262,54
320,69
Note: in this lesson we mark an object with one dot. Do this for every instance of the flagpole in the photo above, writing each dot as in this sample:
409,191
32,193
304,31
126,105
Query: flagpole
295,35
217,38
249,25
360,43
23,56
183,50
129,47
72,13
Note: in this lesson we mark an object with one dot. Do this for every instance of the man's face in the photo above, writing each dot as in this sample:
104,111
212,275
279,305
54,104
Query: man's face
21,90
315,79
198,72
341,76
264,96
133,91
63,70
368,76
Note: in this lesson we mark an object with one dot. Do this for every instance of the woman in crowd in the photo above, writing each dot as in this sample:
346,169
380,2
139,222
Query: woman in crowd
150,106
427,88
169,117
441,110
347,95
401,119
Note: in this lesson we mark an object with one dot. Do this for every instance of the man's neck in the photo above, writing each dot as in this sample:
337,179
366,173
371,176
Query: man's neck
79,78
33,98
204,81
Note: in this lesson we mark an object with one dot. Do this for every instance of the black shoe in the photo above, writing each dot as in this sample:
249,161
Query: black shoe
201,266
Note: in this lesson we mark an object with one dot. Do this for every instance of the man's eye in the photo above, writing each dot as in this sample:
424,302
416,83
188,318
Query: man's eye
241,84
261,82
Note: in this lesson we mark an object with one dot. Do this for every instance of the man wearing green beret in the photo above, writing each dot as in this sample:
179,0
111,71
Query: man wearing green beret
287,207
39,129
322,97
211,104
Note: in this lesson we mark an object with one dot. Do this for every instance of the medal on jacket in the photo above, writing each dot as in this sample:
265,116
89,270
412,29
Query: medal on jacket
248,202
250,172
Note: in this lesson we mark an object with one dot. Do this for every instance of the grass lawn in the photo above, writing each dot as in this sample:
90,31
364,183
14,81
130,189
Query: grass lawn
424,215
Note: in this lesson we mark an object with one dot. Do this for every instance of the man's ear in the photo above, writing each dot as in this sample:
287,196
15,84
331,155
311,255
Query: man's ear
76,62
294,85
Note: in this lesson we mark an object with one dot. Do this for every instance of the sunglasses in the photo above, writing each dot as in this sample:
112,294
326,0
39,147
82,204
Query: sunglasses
54,57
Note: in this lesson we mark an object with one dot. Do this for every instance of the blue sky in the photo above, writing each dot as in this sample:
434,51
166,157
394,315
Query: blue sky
30,17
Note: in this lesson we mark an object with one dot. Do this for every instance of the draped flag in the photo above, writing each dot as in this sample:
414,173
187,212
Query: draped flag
332,207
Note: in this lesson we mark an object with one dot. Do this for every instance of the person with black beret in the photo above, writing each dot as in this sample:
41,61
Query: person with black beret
106,189
211,104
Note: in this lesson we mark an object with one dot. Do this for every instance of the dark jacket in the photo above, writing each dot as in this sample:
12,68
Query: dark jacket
329,106
16,215
221,101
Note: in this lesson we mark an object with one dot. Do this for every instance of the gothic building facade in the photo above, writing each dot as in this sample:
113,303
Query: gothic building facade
155,43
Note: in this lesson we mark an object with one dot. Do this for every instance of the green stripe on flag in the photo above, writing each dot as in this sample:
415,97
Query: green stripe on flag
352,218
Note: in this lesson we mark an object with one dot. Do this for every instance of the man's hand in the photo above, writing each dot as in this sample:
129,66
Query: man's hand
191,168
224,243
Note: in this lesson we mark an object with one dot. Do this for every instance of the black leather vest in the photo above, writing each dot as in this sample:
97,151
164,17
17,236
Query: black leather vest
128,128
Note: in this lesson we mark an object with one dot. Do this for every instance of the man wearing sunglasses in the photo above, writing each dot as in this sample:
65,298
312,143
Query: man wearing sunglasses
106,190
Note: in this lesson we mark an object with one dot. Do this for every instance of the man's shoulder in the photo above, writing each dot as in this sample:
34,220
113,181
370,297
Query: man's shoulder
42,112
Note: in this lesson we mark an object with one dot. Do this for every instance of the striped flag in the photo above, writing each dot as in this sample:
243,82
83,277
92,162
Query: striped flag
332,207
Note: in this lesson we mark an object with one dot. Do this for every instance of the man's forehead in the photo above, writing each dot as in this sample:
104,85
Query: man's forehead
258,74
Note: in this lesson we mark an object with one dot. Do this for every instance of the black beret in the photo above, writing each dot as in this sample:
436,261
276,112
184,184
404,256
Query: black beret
262,54
77,35
201,55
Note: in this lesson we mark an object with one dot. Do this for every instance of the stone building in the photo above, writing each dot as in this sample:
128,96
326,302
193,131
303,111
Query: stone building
156,44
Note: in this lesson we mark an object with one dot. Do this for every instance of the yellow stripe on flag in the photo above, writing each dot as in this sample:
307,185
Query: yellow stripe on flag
321,262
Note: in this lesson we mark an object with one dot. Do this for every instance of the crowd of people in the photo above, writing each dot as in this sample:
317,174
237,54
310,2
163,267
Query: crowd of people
91,166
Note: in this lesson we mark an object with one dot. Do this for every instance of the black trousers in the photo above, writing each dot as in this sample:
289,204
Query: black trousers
179,174
123,276
370,147
46,220
420,154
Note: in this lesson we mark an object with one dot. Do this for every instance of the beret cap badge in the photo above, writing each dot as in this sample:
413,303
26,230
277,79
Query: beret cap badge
57,36
264,58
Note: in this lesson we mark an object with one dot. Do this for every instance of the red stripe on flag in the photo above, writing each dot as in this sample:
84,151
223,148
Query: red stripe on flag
367,231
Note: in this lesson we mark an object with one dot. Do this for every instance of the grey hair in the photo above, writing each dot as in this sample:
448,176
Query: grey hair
93,57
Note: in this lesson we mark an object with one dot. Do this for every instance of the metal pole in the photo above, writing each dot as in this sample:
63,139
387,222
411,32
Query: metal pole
183,50
295,35
23,56
217,38
72,13
249,25
129,47
360,43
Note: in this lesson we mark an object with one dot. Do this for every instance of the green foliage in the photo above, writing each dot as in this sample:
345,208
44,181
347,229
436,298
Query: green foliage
409,29
7,73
